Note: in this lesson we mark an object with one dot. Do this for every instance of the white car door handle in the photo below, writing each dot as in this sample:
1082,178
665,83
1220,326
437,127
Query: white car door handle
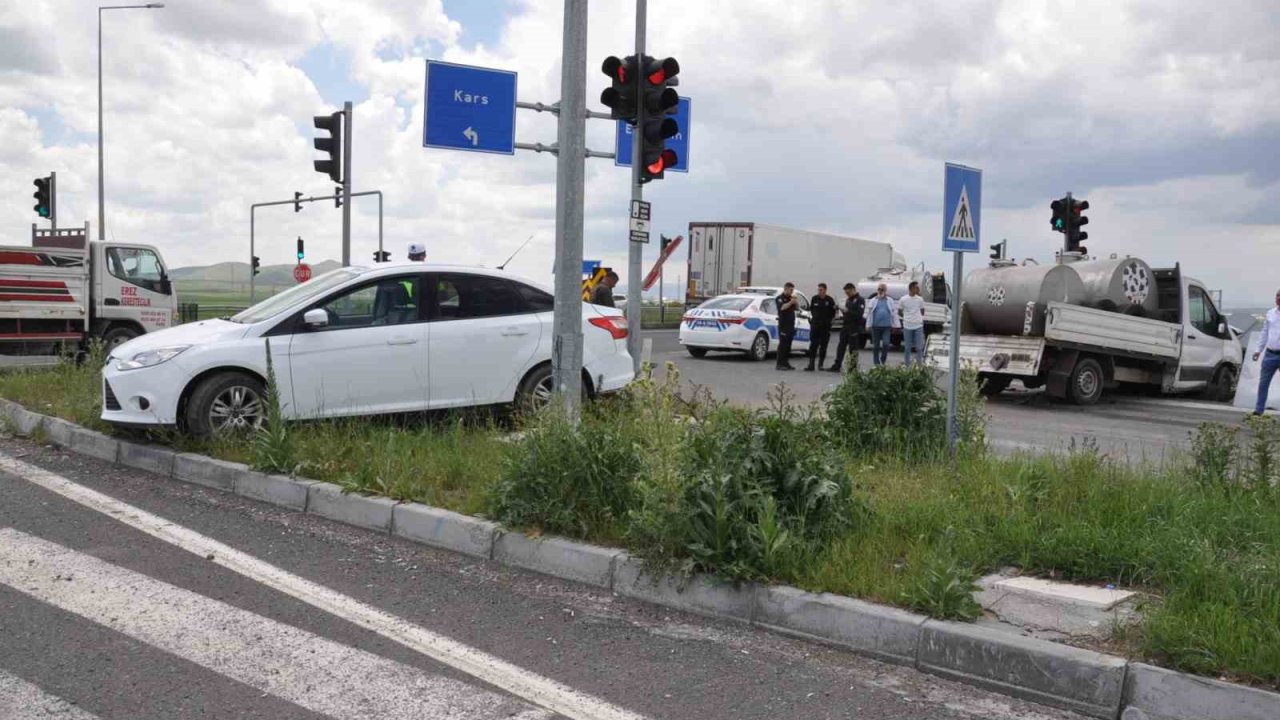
513,331
402,340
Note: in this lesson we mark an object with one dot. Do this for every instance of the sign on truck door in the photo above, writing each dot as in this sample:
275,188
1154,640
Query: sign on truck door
134,287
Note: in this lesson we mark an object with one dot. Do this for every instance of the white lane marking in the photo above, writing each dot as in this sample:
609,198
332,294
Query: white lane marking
533,688
306,669
20,700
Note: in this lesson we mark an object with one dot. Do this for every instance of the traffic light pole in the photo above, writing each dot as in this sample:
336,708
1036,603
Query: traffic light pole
253,209
636,250
53,200
566,349
346,184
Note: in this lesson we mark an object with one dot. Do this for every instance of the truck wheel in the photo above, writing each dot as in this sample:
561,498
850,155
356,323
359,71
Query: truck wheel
759,348
1223,387
993,385
117,336
1086,382
696,351
226,403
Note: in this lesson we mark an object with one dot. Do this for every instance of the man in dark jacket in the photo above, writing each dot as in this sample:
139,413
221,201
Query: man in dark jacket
787,304
822,313
603,294
855,324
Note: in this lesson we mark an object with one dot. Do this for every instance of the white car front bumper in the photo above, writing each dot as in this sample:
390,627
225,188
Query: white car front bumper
145,396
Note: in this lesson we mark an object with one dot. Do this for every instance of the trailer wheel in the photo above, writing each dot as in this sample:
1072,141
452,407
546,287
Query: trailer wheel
696,351
1223,387
992,385
1086,382
117,336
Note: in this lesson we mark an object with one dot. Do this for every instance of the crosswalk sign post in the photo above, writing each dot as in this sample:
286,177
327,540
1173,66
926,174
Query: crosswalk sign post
961,213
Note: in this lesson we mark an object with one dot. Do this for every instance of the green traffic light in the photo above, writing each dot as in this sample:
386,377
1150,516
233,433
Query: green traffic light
43,212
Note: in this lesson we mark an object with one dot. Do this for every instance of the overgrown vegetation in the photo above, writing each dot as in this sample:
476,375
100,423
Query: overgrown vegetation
857,496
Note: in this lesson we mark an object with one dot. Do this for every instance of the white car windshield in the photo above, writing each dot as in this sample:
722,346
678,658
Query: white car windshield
276,304
726,303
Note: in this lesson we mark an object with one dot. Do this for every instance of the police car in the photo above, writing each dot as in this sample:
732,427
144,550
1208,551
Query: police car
746,321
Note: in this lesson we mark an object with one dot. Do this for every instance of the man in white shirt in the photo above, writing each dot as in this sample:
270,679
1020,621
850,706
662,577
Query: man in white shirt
912,307
1269,349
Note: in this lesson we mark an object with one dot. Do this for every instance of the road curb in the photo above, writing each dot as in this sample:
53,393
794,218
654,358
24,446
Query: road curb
557,557
1083,681
444,529
1088,682
1153,693
700,594
371,513
882,632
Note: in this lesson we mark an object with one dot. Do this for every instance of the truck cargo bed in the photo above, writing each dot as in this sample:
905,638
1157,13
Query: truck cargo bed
1086,327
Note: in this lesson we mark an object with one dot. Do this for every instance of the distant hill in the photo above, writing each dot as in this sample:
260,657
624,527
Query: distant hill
233,275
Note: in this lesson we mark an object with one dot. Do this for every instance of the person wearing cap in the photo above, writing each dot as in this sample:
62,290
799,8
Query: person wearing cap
417,252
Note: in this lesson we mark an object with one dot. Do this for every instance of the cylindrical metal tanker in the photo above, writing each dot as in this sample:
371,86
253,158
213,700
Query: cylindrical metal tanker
896,282
1120,285
1011,300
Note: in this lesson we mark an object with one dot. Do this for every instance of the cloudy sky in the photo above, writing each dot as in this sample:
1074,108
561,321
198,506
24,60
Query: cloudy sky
832,115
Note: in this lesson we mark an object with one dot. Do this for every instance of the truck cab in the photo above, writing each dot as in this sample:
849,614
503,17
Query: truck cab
65,290
1211,354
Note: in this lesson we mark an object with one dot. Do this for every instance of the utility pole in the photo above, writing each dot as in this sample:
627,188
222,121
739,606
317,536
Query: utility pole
346,183
566,357
635,249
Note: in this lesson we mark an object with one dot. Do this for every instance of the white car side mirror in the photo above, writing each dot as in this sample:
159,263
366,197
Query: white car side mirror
315,318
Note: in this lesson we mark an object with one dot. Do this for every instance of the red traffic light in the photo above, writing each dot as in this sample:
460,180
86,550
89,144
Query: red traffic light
660,71
615,68
666,159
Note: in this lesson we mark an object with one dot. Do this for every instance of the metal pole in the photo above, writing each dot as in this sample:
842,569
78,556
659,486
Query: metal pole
636,250
346,184
954,357
379,223
662,304
253,285
53,201
566,357
102,202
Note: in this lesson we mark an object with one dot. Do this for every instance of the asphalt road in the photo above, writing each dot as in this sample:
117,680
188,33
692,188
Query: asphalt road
101,619
1135,428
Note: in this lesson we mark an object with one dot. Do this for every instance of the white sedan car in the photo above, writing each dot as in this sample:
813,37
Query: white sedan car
393,338
746,322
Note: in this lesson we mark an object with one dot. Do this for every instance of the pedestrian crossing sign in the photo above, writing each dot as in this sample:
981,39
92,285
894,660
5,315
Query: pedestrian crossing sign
962,207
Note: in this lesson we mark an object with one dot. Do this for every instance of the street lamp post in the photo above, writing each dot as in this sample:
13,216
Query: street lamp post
102,203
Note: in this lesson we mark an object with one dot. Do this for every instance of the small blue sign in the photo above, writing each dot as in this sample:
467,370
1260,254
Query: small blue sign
961,208
589,266
469,108
623,142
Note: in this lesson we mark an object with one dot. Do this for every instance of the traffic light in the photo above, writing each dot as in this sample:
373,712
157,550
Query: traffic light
381,256
44,202
663,242
660,101
1075,220
620,96
300,253
999,249
331,145
337,197
297,204
256,264
1059,220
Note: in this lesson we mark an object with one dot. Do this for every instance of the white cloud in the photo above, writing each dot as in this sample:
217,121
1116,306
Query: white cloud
830,115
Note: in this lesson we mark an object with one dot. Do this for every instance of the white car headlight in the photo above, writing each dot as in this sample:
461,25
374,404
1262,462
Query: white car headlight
147,358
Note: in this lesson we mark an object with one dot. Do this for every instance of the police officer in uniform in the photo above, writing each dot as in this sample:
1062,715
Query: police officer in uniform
822,313
787,304
855,323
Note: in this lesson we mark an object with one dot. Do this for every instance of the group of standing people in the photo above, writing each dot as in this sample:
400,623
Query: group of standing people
881,313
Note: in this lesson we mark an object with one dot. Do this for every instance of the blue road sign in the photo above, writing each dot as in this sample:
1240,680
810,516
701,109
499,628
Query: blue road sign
623,143
470,108
961,208
589,266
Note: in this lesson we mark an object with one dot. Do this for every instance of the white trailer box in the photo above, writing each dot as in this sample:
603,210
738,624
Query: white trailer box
724,256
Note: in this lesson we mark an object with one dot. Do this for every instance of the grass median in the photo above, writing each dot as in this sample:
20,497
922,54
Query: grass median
856,496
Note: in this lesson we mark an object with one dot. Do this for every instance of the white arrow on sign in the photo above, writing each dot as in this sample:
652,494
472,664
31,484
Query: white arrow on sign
471,135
